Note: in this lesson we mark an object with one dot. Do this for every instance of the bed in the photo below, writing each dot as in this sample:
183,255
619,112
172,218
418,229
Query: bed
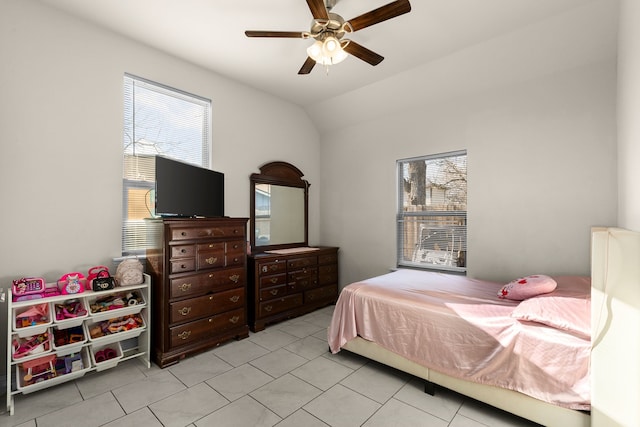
529,357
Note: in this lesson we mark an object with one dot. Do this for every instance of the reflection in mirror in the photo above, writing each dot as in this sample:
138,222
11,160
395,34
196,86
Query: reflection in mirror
279,208
279,214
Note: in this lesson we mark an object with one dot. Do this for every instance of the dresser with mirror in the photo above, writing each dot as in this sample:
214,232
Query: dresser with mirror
286,276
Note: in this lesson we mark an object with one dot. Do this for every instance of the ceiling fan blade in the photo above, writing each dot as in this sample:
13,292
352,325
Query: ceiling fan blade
307,66
363,53
318,9
284,34
380,14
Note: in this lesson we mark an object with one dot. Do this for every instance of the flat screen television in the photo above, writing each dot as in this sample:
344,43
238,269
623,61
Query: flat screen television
185,190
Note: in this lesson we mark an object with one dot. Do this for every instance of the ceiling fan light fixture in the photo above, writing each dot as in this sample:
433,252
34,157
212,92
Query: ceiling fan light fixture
327,51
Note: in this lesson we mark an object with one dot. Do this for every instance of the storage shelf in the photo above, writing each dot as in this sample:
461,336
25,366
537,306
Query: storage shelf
131,344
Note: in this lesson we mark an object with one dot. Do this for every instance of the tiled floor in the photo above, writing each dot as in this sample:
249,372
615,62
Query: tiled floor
283,376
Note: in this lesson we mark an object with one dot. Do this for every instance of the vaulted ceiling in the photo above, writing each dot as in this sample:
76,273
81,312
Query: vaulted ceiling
210,33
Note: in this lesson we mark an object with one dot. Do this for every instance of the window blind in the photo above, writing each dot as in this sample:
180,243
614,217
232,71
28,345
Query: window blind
158,120
432,212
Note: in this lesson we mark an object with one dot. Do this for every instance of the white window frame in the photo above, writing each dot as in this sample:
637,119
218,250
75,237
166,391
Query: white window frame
432,239
149,130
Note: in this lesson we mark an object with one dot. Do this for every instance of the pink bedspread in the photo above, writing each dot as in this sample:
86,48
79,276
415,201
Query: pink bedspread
458,326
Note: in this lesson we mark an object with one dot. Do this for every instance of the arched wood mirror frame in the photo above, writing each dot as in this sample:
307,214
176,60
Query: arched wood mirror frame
279,208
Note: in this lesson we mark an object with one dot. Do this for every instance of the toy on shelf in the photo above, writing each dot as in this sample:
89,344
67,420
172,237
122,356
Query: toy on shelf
105,354
71,283
115,301
28,346
62,337
69,309
33,316
41,369
113,326
30,288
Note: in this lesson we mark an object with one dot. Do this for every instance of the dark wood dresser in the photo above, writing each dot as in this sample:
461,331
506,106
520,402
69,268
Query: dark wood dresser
199,273
289,285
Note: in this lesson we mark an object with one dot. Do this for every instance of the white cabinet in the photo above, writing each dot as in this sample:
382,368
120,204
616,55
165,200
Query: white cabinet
94,331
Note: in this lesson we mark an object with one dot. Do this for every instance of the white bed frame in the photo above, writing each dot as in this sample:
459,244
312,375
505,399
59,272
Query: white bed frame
514,402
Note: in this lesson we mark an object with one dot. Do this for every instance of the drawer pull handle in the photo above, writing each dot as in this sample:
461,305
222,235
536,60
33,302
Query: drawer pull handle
210,320
236,260
211,276
185,310
234,278
234,298
211,260
274,280
185,287
235,231
211,245
236,246
184,335
234,319
183,250
211,298
268,308
182,266
274,292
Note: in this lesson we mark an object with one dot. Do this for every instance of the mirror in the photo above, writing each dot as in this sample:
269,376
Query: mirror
279,207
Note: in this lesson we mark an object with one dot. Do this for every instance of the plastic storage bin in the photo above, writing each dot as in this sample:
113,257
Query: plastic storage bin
106,356
32,320
24,348
37,374
69,313
114,329
125,303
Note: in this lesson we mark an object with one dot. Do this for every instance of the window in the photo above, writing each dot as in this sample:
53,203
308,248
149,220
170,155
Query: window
158,120
432,212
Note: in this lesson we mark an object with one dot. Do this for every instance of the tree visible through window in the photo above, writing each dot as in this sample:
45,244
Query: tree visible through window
158,120
432,211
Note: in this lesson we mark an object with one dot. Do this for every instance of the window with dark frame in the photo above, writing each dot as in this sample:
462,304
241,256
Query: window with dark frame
158,120
432,212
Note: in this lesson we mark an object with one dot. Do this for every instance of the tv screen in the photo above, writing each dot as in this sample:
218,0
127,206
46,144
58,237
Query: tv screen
186,190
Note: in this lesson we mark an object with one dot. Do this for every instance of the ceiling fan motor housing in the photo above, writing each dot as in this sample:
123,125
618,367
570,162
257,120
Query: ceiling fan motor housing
334,26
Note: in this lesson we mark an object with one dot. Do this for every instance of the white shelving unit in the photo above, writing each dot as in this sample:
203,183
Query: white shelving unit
134,343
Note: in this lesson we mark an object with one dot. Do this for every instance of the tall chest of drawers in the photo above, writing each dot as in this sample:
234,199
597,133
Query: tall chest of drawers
199,276
283,286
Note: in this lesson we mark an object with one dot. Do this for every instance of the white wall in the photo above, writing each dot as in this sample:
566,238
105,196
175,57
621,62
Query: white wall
61,131
616,281
541,172
628,113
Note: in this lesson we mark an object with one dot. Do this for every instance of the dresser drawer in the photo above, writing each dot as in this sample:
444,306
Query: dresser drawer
328,259
183,251
205,328
297,263
198,284
327,274
271,293
234,259
299,280
319,294
183,265
281,304
206,305
211,247
235,248
187,233
269,267
276,279
210,259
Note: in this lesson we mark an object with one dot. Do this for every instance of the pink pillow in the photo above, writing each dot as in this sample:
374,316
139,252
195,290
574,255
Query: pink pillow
571,314
527,287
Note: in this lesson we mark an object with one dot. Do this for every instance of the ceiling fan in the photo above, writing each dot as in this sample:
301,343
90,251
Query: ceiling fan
328,30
